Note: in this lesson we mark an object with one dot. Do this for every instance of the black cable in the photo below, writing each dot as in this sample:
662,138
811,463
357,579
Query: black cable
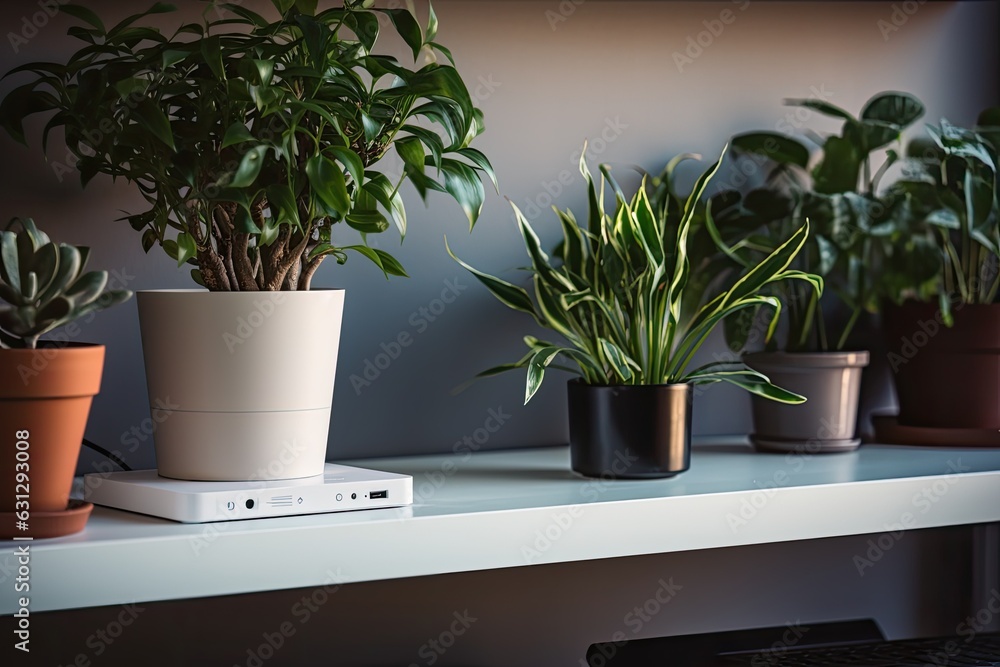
100,450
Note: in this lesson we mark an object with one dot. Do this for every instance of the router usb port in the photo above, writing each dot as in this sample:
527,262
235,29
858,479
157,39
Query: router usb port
375,495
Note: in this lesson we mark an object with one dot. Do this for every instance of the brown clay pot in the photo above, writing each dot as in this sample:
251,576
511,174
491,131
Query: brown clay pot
945,377
46,392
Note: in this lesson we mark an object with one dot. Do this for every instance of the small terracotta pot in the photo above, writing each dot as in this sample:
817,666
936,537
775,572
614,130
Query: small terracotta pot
47,394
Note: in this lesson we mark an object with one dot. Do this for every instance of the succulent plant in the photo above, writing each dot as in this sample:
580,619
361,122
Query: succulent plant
43,286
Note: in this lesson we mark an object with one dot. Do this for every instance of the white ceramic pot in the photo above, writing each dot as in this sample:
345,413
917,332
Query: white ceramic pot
240,383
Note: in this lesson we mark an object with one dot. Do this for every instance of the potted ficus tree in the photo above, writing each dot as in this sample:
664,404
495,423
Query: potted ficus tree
940,280
618,292
46,387
253,140
839,195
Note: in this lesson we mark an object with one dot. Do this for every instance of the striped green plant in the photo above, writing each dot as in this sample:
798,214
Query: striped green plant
617,286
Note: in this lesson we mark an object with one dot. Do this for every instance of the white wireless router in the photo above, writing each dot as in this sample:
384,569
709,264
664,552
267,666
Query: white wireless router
338,489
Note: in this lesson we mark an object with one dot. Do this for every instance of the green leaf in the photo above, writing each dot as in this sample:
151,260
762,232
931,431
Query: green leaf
211,51
149,239
383,260
411,150
408,29
510,295
944,217
84,14
265,70
150,117
306,6
372,127
379,187
540,360
367,222
443,50
477,158
432,23
839,170
20,103
327,181
823,107
351,161
235,134
249,168
620,362
462,183
186,248
899,109
750,380
390,264
8,253
284,208
365,27
774,146
170,57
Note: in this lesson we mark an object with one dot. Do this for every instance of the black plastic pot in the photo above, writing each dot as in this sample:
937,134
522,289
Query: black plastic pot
629,432
945,377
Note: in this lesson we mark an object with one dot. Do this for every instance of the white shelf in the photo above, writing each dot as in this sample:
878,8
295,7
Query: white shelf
511,509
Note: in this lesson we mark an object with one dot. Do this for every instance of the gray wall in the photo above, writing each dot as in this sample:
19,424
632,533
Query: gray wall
548,76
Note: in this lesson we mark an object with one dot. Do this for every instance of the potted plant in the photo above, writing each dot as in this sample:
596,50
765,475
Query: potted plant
254,141
46,387
839,196
940,280
617,291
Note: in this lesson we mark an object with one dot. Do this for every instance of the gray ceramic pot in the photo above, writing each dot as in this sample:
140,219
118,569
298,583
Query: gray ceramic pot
826,422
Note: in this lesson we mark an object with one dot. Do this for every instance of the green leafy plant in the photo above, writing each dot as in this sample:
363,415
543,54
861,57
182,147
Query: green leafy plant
43,285
250,139
946,205
616,290
839,195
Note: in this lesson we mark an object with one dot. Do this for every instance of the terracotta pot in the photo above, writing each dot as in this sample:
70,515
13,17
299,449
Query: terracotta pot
629,431
945,377
827,421
47,393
